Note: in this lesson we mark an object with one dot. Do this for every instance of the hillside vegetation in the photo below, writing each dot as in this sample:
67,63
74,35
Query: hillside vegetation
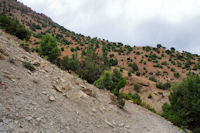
144,75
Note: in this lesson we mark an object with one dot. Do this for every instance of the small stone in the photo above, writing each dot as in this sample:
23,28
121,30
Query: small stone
64,94
82,94
66,87
109,123
39,118
62,80
44,92
17,114
59,89
28,118
9,76
121,124
52,98
127,126
94,110
87,91
33,103
83,86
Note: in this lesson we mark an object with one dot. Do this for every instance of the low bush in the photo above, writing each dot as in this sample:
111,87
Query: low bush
164,63
176,75
134,66
135,98
163,86
150,96
29,66
153,79
158,65
173,69
25,46
129,73
137,87
138,73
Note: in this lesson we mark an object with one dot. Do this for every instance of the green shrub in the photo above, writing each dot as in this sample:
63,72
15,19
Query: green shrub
172,49
173,69
32,49
147,48
135,98
72,49
121,68
150,96
113,62
129,73
159,46
155,61
92,65
165,72
25,46
158,65
152,56
163,86
173,62
37,49
113,82
105,81
138,73
48,48
176,75
138,53
196,67
158,73
62,49
29,66
168,51
111,55
164,63
184,106
134,66
153,79
70,64
137,87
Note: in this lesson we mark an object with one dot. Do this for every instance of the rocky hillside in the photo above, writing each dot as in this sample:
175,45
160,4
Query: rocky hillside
43,98
155,65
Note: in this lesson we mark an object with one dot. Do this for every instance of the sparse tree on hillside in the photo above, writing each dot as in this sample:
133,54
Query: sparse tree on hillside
159,45
48,48
92,65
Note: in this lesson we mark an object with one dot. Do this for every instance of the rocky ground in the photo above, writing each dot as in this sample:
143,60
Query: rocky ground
49,100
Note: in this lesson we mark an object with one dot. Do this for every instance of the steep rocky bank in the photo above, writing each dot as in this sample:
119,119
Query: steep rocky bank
50,100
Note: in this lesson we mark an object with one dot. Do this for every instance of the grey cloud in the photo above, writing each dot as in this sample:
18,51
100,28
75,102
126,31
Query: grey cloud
183,36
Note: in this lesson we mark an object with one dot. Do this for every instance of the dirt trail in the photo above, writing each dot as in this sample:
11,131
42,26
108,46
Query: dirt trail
50,100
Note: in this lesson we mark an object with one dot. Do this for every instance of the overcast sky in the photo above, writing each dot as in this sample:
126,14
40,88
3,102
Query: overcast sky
172,23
